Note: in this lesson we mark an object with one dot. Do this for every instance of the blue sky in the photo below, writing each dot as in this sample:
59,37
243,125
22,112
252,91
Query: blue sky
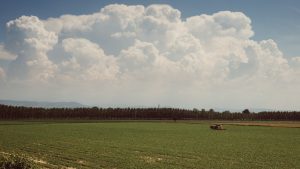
276,19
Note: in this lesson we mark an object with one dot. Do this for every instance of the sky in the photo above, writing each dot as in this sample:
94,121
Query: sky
203,54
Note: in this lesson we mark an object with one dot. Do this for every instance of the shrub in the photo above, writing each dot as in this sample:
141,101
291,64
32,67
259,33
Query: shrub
15,162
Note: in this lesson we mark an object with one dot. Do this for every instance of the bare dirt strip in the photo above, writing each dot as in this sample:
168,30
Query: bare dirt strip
288,124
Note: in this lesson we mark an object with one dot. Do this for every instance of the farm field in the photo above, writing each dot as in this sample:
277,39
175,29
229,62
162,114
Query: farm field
134,144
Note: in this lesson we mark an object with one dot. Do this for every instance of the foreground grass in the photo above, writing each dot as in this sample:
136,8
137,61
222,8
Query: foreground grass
151,145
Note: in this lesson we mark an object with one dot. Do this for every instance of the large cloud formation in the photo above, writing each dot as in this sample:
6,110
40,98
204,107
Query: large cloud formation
135,55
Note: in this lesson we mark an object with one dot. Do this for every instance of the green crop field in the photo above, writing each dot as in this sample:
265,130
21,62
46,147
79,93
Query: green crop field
151,145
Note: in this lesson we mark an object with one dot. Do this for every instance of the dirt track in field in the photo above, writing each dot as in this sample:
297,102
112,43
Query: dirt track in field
266,124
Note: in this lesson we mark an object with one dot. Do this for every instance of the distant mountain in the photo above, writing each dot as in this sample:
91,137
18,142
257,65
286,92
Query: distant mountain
42,104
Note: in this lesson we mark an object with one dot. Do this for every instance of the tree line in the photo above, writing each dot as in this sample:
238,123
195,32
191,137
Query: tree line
95,113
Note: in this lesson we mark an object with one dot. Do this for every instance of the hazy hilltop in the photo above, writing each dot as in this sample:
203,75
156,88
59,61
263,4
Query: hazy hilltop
76,105
42,104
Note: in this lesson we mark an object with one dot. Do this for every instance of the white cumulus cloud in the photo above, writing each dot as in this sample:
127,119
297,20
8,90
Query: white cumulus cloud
145,55
5,55
30,41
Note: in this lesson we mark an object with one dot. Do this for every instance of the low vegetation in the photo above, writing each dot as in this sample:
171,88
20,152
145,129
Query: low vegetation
160,144
14,161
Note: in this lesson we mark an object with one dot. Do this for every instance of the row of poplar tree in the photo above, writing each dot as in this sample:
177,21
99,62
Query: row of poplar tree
15,112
